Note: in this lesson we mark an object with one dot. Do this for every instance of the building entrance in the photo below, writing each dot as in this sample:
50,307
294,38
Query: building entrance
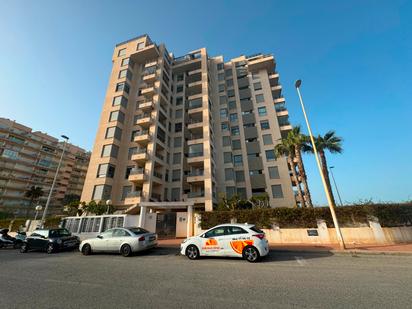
166,225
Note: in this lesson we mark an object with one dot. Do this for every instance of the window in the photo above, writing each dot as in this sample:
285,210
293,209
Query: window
11,154
122,73
177,157
232,105
260,98
240,176
267,139
179,113
225,126
123,87
117,116
179,101
233,117
235,130
179,88
140,45
230,93
177,142
128,170
222,100
274,172
255,75
229,83
226,140
175,194
277,191
227,157
257,86
125,61
110,151
221,76
228,73
270,155
176,175
221,87
120,233
229,174
223,113
219,231
236,144
264,125
230,191
179,77
262,111
178,127
125,191
121,52
102,192
195,150
120,100
114,132
220,66
105,170
237,160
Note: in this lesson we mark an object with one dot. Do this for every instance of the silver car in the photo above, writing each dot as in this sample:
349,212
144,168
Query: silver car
123,240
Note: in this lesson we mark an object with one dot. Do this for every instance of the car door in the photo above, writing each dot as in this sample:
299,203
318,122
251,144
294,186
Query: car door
237,239
102,240
213,241
116,240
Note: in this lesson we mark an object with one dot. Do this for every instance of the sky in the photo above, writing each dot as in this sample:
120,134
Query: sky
354,57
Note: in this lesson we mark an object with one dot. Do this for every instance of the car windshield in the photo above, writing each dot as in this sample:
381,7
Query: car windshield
138,230
59,233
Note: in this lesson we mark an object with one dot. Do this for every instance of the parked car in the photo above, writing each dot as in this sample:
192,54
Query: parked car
231,240
9,241
50,240
122,240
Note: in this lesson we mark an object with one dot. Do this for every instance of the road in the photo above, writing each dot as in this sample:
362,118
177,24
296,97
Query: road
163,279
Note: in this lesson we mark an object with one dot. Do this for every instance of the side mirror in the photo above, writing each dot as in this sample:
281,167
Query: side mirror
100,236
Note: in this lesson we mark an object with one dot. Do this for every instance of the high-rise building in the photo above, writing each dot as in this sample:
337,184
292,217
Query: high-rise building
190,128
29,158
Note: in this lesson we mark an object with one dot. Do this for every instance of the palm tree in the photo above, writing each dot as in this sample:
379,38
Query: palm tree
333,144
286,149
33,193
299,141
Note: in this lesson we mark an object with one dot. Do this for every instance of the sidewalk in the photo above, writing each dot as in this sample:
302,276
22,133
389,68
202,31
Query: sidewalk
395,249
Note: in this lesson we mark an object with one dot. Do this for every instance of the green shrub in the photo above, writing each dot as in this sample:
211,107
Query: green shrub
348,216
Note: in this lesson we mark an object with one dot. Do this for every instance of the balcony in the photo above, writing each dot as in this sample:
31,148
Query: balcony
149,90
143,137
276,90
137,175
279,100
195,157
158,175
262,62
194,88
195,123
196,176
150,74
144,120
146,105
140,156
133,197
145,54
196,194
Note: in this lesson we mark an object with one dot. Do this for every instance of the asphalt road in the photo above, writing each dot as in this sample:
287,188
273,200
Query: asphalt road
163,279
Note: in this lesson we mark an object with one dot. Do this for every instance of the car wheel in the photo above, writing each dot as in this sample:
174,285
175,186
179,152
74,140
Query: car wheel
251,254
24,248
86,249
126,250
50,249
192,252
17,245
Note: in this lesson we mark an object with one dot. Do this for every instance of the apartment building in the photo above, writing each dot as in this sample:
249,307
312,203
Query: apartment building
30,158
191,128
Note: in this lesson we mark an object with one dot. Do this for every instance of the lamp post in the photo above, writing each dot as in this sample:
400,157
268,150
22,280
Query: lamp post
37,208
332,209
336,186
54,181
108,203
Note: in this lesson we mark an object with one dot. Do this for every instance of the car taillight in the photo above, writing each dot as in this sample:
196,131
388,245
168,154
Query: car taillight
260,236
141,238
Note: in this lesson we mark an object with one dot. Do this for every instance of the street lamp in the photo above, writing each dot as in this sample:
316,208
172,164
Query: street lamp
37,209
43,219
336,187
332,209
108,203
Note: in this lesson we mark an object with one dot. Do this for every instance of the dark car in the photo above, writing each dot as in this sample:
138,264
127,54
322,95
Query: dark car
51,240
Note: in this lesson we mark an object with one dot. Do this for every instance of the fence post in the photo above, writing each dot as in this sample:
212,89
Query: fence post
323,231
377,230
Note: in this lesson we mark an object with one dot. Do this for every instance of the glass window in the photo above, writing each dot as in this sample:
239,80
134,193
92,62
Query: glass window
110,151
128,170
179,88
179,113
233,117
177,157
102,192
257,86
225,126
122,73
274,172
121,52
236,144
229,83
270,155
230,191
221,76
177,142
227,157
267,139
120,233
105,170
221,87
222,100
223,113
120,100
125,191
216,232
117,116
241,192
235,130
232,105
235,230
140,45
229,174
179,77
220,66
125,61
264,125
277,191
175,194
123,87
114,132
178,127
262,111
195,150
179,101
260,98
11,154
230,93
176,175
237,160
226,140
240,176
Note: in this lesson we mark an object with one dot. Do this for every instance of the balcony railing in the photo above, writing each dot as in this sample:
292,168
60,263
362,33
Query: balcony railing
134,194
196,173
137,171
195,105
194,121
143,132
195,136
157,174
141,116
196,194
195,154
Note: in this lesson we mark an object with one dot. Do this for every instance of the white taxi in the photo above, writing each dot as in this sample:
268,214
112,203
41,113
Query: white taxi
233,240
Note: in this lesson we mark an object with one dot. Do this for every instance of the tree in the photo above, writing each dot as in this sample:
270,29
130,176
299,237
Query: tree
260,201
34,193
69,198
299,141
287,149
333,144
99,208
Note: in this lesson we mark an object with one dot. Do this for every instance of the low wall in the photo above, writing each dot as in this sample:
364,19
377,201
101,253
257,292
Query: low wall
373,234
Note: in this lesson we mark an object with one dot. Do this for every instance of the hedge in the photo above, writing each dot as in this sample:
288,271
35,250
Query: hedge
51,222
388,215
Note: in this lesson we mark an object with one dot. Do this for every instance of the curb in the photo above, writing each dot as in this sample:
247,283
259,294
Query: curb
347,252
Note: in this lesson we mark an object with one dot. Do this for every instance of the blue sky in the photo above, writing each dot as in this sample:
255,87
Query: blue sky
354,57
